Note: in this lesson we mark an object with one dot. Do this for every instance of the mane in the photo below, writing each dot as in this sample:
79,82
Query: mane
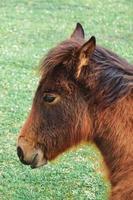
115,79
114,74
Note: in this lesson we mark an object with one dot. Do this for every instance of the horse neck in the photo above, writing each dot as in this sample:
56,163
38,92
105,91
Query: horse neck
113,137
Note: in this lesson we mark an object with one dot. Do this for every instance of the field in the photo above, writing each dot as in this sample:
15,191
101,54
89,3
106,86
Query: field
28,29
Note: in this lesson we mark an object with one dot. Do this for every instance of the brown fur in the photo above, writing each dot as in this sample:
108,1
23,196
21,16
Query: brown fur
97,105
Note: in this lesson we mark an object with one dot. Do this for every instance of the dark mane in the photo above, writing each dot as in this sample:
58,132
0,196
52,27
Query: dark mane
114,75
115,80
106,57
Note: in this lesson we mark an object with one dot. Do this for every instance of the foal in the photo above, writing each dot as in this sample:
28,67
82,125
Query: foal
85,93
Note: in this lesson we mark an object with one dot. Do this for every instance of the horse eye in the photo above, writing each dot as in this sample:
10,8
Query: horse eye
49,98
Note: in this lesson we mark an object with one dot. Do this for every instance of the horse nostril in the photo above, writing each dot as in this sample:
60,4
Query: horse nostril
20,153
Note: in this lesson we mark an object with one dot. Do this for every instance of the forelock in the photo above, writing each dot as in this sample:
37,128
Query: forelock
63,54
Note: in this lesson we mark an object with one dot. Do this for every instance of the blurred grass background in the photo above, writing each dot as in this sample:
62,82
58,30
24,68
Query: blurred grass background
28,29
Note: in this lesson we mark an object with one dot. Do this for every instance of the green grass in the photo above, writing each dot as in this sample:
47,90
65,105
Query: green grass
28,29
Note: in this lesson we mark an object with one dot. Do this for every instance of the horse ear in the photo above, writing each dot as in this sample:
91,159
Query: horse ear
78,32
85,54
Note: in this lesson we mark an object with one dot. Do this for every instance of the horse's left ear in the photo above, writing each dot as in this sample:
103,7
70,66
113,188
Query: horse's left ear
85,54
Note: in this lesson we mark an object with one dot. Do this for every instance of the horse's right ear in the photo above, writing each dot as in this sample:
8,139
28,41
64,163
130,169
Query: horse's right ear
78,32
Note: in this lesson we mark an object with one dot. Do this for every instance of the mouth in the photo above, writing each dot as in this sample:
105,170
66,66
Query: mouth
34,159
35,162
